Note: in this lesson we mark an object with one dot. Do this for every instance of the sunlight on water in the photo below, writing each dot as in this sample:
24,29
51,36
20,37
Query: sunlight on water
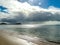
13,38
28,26
29,34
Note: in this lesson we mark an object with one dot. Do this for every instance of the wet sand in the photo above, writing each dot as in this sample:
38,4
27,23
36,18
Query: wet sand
13,38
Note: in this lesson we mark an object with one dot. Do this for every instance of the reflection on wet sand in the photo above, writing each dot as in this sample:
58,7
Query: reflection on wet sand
14,38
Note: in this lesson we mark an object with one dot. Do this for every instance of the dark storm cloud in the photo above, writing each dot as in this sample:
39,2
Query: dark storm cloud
18,12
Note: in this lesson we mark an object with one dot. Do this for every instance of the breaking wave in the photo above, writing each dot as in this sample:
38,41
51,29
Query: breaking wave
8,37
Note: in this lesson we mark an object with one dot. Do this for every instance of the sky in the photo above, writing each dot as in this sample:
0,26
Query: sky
43,3
55,3
29,10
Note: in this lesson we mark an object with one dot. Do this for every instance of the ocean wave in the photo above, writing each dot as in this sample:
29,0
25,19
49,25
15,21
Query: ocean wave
8,37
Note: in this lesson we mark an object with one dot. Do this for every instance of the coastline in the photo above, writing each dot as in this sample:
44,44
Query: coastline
12,38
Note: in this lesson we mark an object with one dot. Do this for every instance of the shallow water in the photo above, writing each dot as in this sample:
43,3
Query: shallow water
32,32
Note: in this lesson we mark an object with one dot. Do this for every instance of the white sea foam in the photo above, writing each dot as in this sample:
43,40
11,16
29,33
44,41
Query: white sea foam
13,38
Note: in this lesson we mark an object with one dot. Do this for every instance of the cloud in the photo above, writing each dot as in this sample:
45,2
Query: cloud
18,11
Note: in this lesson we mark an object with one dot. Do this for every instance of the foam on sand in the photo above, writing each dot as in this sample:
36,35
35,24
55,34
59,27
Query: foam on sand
14,38
11,38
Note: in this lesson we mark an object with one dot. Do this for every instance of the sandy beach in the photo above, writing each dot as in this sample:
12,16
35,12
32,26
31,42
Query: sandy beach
13,38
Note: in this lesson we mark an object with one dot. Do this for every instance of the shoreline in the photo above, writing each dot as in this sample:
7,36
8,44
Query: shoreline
14,38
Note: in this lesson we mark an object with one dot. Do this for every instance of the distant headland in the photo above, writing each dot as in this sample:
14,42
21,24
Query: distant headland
5,23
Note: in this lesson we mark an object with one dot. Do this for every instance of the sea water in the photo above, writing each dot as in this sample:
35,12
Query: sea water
49,30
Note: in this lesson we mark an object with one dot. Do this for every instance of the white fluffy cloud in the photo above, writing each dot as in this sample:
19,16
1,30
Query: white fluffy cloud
24,11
